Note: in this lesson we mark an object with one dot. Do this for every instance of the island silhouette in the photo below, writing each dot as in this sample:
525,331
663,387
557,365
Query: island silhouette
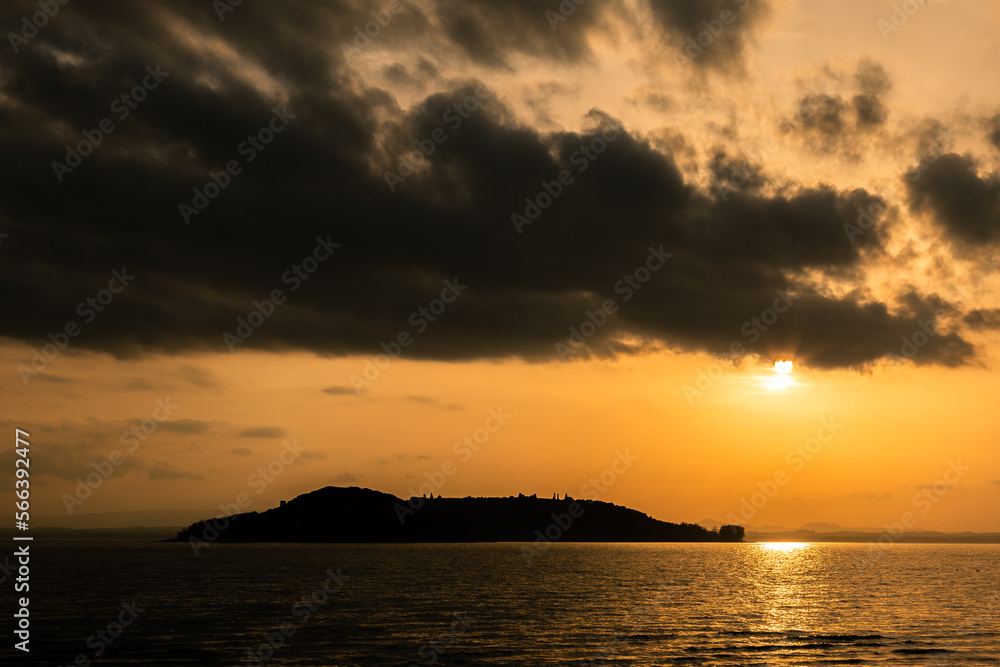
354,514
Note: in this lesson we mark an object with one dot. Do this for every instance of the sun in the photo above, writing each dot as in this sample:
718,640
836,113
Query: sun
782,377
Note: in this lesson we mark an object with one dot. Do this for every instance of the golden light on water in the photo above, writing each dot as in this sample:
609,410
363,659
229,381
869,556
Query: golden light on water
784,596
784,546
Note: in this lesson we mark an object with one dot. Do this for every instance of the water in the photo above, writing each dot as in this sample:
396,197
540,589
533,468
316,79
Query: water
482,604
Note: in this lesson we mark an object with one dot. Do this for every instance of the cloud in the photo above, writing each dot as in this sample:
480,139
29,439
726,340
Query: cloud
965,203
69,462
140,384
869,110
993,130
161,470
983,318
77,448
340,391
832,118
870,78
710,33
262,432
872,83
188,426
449,220
404,458
492,32
241,451
199,377
428,400
347,478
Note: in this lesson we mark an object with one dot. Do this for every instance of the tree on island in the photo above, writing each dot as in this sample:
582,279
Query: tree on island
732,533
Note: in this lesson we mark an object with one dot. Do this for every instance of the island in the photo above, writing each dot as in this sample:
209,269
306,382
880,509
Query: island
354,514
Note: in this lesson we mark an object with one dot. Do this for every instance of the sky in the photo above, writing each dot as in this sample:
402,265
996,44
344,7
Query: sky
502,247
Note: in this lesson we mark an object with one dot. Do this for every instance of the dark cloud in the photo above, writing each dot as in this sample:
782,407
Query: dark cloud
323,177
398,74
848,332
711,33
869,110
842,121
262,432
965,203
347,478
871,78
983,318
822,113
491,31
735,173
872,84
241,451
922,306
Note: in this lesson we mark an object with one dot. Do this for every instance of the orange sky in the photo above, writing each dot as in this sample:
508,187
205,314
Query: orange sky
567,422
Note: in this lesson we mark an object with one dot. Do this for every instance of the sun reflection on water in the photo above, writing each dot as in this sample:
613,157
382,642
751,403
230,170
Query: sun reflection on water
785,591
784,546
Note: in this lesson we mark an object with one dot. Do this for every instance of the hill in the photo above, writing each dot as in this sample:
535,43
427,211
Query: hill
352,514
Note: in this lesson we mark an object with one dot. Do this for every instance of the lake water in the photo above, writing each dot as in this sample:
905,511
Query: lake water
483,604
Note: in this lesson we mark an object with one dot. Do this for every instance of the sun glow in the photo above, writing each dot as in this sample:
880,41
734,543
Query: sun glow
782,378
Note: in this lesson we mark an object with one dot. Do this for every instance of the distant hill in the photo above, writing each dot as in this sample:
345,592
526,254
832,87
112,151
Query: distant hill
352,514
910,537
823,527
